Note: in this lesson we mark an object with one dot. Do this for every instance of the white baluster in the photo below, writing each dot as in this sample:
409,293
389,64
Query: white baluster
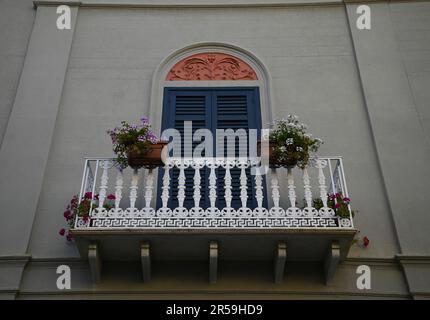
275,191
180,210
118,188
181,185
259,210
228,164
148,188
118,192
212,210
197,195
227,179
243,210
133,190
164,211
103,183
276,210
197,164
212,187
259,189
100,211
292,210
308,210
243,187
320,165
166,186
147,210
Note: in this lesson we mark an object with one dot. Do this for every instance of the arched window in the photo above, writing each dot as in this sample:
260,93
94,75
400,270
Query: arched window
217,87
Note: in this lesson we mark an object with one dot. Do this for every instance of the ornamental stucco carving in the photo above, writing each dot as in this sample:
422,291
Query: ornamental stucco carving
211,66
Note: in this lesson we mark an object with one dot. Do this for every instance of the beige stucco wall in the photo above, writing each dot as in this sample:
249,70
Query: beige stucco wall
317,70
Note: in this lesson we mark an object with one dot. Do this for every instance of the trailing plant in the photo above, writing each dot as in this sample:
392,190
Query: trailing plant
132,138
340,205
82,209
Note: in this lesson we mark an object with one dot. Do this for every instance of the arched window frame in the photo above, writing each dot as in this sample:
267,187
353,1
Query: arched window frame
159,82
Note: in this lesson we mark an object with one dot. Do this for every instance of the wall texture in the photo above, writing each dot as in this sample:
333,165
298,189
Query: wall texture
412,28
336,78
16,23
309,55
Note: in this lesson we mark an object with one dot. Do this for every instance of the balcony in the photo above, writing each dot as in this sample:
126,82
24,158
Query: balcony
282,219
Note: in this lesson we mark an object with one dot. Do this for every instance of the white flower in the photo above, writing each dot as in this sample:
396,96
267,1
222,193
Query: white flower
289,141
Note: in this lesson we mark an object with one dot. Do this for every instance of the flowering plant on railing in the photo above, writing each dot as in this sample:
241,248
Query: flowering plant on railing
338,203
82,209
131,138
291,144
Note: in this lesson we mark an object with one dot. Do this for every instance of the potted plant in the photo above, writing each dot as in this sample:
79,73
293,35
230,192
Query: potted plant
338,203
290,144
137,145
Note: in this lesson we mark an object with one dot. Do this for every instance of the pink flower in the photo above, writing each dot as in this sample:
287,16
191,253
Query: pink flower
338,195
69,237
331,197
346,199
366,241
67,214
85,218
337,205
62,232
88,195
111,197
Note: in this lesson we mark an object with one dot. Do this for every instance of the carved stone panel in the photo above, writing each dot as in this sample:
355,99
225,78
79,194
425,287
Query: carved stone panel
211,66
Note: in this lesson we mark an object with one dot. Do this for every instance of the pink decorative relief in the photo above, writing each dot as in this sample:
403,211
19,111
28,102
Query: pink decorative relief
211,66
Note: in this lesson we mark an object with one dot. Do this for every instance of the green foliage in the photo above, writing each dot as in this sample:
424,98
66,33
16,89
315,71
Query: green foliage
291,141
131,138
338,203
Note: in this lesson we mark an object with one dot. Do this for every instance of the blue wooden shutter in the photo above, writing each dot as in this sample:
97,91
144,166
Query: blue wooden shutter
212,108
236,109
186,105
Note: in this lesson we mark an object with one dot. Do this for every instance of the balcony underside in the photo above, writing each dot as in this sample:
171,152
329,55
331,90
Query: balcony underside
234,244
282,246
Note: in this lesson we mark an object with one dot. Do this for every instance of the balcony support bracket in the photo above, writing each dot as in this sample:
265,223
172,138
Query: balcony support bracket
95,262
213,261
331,262
146,261
279,261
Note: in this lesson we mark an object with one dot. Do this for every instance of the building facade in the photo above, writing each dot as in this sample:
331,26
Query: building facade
364,91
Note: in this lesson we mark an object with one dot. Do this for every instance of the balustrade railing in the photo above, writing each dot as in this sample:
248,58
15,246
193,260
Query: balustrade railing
291,194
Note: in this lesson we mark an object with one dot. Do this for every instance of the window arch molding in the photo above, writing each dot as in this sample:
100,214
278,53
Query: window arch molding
159,81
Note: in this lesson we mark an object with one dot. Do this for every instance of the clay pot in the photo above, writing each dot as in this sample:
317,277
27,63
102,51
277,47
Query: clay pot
149,159
276,162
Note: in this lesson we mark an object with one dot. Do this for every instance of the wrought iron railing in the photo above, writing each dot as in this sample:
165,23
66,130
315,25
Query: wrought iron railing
134,204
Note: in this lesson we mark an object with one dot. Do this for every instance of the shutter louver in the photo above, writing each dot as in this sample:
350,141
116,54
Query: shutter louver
212,109
232,113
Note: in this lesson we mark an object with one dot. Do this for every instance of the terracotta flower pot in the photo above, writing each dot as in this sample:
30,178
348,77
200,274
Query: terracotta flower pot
274,160
150,159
